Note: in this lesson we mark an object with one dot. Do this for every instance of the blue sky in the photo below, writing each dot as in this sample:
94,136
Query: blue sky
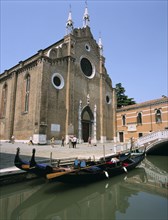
134,35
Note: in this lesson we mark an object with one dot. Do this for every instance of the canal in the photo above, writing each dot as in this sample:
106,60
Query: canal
141,194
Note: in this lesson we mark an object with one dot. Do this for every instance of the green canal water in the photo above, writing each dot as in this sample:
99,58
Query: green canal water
141,194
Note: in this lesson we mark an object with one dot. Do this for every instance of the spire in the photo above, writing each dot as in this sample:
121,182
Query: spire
100,45
69,24
86,16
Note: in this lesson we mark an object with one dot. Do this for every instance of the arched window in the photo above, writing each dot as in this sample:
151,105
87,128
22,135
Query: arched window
27,93
158,116
139,118
4,100
123,120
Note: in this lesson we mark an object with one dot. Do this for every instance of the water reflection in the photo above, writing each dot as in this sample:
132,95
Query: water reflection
111,199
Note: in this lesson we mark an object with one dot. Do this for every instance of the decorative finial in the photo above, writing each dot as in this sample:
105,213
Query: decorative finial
86,18
100,44
69,24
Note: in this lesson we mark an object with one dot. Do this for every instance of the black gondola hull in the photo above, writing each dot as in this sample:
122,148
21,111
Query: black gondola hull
86,176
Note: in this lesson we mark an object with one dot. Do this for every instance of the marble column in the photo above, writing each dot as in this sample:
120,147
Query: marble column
80,122
94,126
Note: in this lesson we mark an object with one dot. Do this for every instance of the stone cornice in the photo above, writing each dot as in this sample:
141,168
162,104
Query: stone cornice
31,63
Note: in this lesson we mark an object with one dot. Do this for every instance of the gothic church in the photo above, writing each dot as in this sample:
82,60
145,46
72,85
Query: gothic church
61,90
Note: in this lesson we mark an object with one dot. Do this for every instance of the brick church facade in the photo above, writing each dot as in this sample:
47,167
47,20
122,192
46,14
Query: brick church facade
61,90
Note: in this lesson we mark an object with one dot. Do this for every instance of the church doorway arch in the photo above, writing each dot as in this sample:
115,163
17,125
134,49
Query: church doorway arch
87,120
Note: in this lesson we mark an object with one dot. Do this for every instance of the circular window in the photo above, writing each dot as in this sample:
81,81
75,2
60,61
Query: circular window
108,100
87,47
87,68
57,81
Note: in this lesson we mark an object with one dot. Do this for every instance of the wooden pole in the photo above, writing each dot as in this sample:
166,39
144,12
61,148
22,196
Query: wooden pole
50,157
104,151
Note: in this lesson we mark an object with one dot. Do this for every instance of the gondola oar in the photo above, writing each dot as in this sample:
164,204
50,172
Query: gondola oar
57,174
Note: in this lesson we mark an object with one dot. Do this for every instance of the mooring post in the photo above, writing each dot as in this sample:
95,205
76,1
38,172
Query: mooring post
104,152
50,157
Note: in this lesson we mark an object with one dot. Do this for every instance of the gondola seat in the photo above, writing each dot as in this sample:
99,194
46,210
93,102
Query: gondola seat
83,164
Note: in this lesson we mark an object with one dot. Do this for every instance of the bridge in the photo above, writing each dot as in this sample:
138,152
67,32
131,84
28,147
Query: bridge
155,172
155,142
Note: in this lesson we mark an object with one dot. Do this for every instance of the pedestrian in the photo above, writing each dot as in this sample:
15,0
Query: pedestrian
70,141
13,139
52,141
62,141
74,140
89,141
31,141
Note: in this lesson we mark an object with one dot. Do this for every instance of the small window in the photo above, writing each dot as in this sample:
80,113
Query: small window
123,120
108,99
121,136
87,47
140,135
57,81
158,116
139,118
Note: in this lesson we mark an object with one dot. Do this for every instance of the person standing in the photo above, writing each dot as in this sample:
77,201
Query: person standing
62,141
74,141
52,141
89,141
31,141
13,139
70,142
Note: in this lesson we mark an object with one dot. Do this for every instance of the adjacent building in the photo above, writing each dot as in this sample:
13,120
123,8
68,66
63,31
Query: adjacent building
140,119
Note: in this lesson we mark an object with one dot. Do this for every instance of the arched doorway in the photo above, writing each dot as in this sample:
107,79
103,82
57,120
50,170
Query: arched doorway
87,120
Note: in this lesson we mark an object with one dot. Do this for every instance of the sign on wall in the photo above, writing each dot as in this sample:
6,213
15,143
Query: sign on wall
55,127
70,129
132,127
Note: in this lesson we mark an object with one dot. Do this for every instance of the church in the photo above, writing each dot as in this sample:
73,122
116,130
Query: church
62,90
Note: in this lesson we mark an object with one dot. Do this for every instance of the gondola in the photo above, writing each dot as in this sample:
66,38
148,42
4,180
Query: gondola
96,172
40,169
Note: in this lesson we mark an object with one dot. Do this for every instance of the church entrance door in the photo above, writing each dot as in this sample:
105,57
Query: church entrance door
85,131
87,123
